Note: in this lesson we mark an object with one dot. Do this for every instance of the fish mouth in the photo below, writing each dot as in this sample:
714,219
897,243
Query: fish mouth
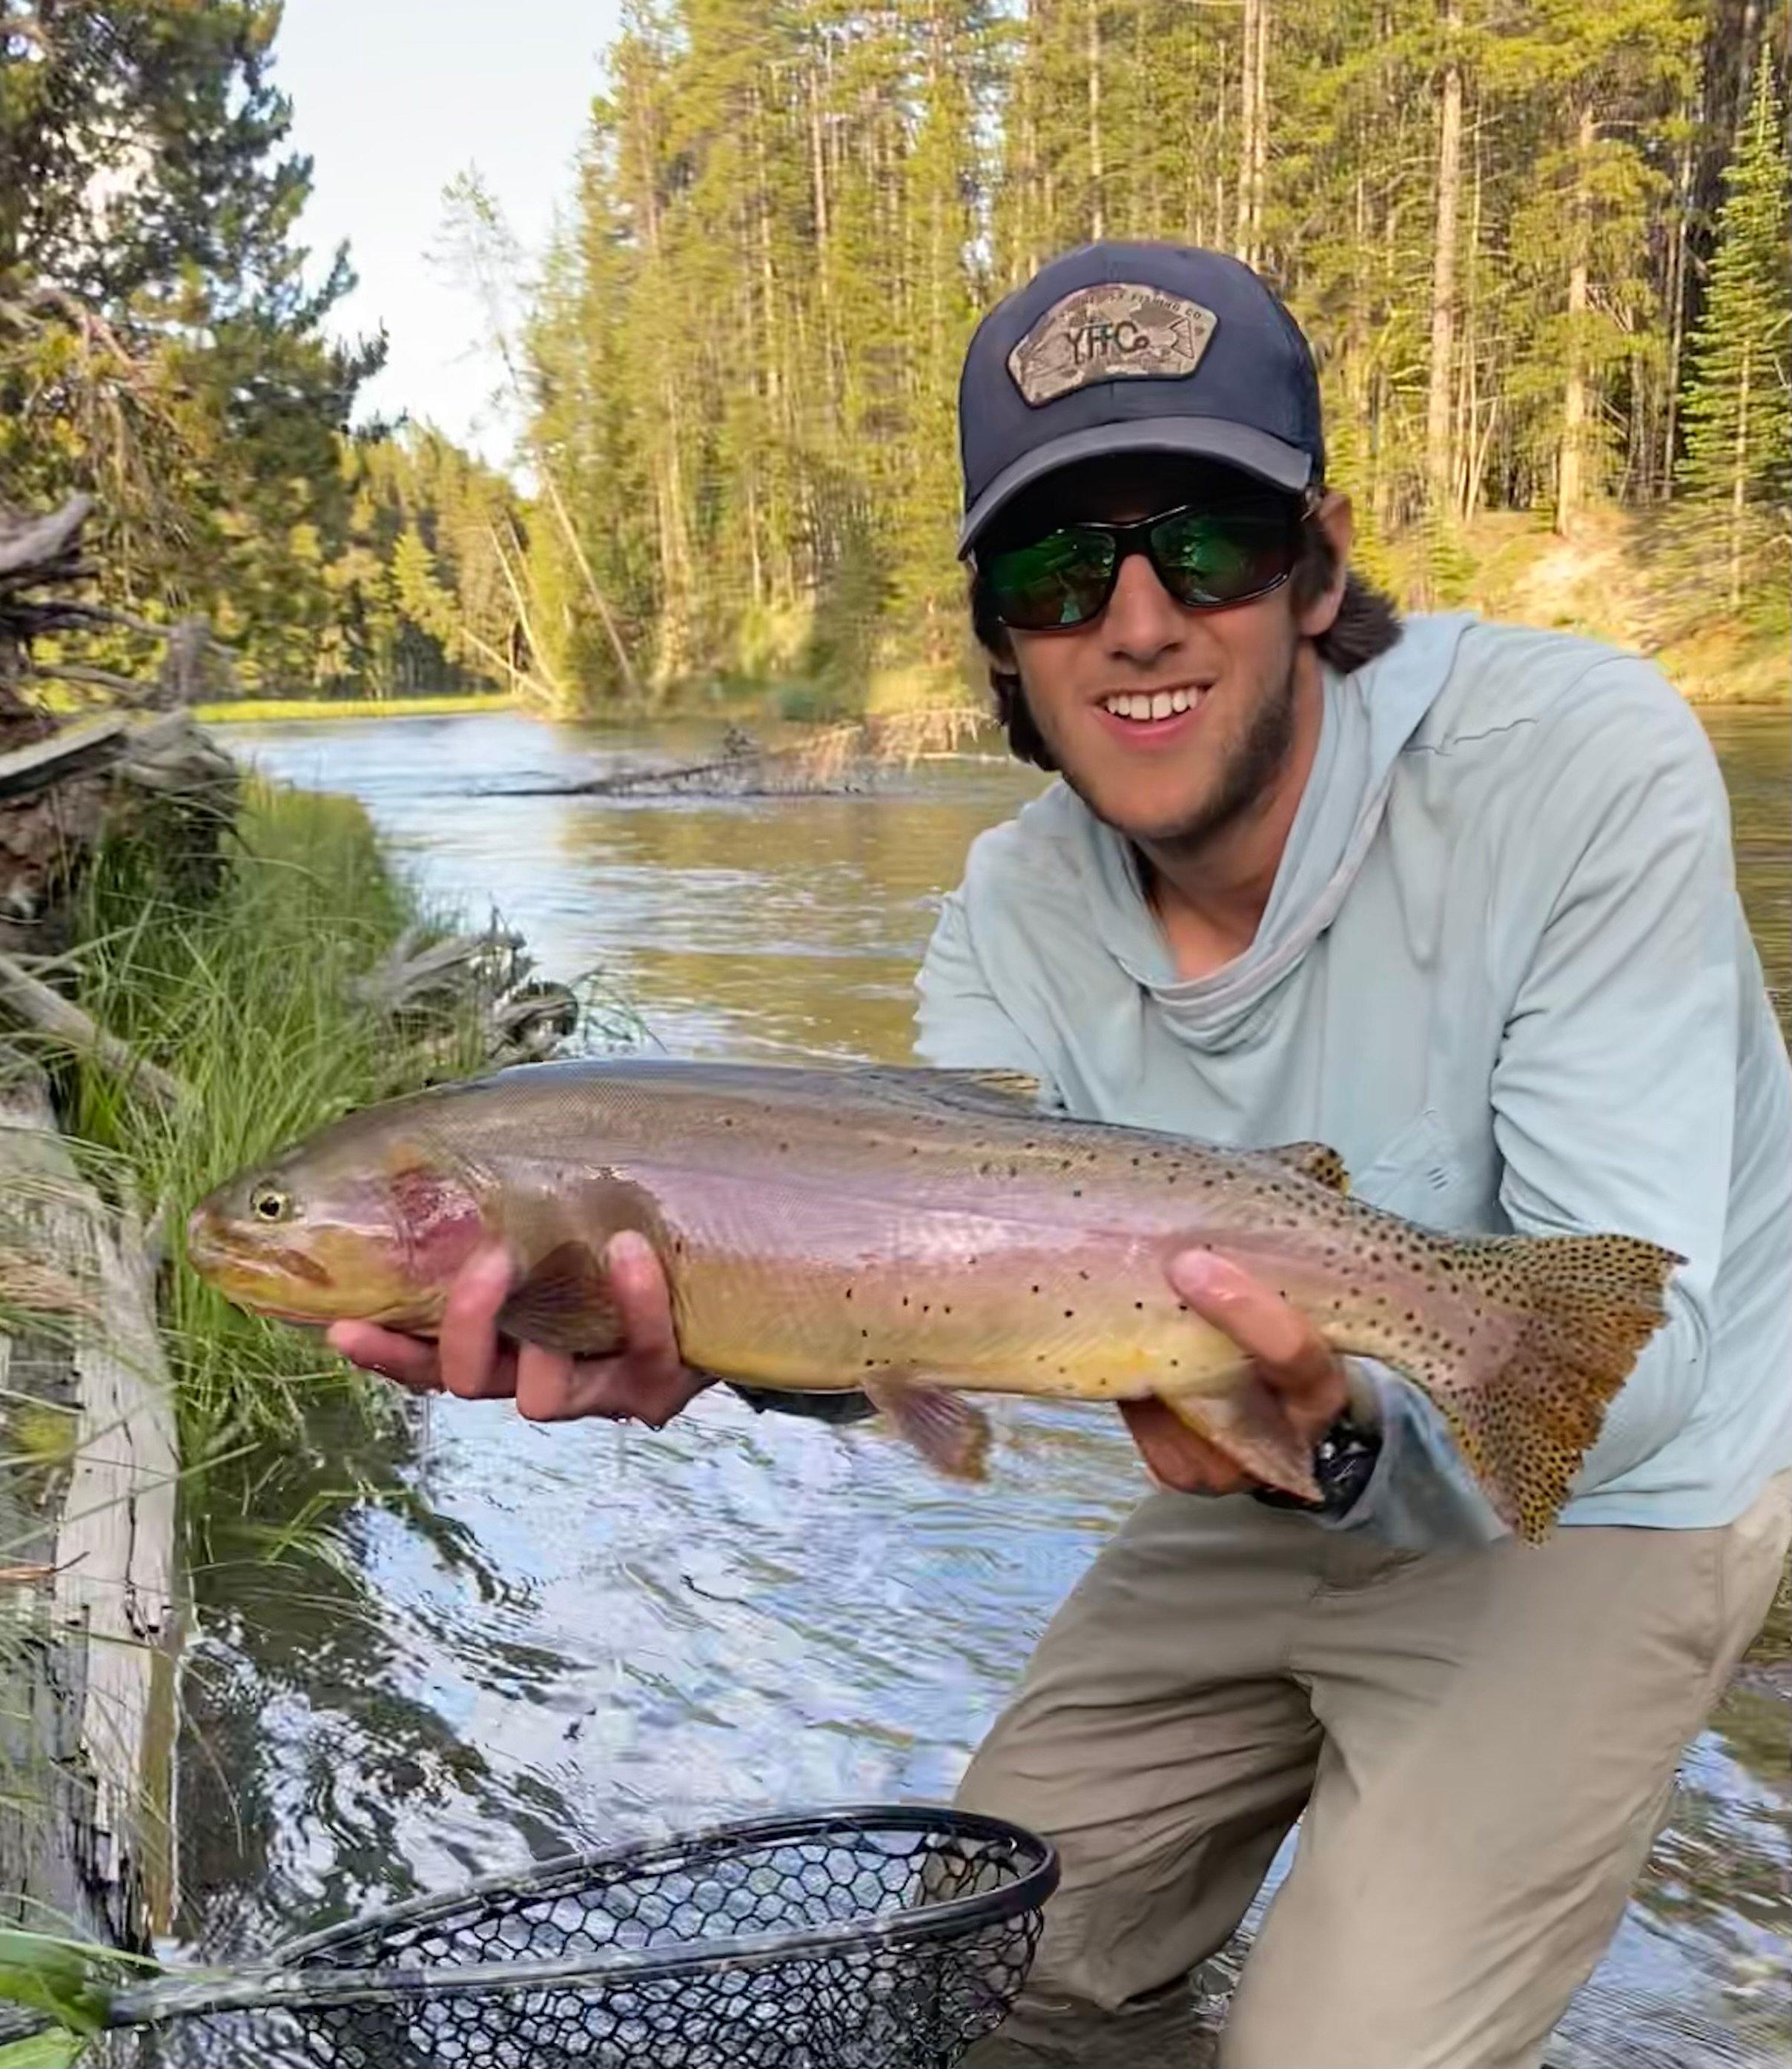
251,1269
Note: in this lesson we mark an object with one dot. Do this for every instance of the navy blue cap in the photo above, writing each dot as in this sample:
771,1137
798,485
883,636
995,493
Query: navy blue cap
1135,347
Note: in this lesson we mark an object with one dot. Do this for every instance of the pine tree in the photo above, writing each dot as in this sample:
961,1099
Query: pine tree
1738,407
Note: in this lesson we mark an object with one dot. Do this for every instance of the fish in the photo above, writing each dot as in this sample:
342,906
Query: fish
922,1234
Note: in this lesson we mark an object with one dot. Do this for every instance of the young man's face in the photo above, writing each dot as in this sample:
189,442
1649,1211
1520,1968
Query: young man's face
1228,676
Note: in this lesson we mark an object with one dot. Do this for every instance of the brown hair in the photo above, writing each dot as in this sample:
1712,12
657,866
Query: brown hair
1367,624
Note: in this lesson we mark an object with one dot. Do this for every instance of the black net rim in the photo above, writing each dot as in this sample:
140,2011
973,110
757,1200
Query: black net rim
302,1974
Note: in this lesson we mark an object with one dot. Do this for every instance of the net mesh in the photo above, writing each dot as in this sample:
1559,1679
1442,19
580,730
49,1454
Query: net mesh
700,1956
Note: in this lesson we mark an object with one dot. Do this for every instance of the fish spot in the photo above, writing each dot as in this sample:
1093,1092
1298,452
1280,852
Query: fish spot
1140,1306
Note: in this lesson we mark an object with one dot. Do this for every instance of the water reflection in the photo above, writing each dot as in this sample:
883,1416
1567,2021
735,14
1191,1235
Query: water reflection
546,1637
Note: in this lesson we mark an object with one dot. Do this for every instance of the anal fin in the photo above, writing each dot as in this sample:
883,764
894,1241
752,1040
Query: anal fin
1250,1425
952,1435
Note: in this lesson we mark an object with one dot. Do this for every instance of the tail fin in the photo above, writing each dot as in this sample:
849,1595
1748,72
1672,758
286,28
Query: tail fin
1561,1320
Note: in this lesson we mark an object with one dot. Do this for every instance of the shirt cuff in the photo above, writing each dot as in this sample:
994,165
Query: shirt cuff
1421,1496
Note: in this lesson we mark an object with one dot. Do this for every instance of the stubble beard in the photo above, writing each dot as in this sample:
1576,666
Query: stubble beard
1251,764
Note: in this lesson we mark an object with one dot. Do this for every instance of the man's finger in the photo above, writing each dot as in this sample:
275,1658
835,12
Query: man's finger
1174,1455
546,1389
1290,1353
408,1360
643,1301
553,1389
470,1324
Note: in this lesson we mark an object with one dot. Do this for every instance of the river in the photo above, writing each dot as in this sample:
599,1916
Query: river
519,1638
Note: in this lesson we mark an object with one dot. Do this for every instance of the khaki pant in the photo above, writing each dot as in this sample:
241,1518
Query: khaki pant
1482,1743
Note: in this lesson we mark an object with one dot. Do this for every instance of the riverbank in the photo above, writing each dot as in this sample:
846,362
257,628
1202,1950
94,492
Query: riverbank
243,709
153,1430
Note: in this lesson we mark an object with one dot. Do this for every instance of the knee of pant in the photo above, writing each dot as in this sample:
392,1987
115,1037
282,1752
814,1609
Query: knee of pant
1366,2007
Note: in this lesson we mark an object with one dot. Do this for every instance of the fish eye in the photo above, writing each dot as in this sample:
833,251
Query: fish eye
269,1203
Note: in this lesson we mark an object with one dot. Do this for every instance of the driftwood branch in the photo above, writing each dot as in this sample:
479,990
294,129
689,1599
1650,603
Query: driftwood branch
406,976
33,1001
73,752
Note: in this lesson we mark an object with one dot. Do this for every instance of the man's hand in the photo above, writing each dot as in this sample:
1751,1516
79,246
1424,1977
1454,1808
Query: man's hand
645,1381
1290,1357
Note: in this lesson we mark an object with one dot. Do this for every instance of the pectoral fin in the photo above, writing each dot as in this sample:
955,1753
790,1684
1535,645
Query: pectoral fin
1249,1424
948,1432
564,1304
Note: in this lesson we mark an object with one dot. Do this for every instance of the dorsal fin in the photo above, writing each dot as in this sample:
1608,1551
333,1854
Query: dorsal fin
1010,1084
1009,1091
1317,1161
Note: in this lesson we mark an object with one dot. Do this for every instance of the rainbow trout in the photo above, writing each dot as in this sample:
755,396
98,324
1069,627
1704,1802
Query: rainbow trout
918,1234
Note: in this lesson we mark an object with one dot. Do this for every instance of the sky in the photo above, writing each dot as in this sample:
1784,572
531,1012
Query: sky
391,98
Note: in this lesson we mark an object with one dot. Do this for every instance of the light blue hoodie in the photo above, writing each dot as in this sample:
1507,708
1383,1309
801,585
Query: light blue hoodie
1505,971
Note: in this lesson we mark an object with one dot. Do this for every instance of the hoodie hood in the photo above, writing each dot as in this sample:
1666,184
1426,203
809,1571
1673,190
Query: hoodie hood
1368,716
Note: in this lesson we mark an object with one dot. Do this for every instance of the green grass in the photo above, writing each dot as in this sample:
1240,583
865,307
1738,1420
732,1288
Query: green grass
286,707
246,995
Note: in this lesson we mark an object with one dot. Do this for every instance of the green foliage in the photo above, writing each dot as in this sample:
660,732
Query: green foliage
742,359
69,1981
48,2050
160,345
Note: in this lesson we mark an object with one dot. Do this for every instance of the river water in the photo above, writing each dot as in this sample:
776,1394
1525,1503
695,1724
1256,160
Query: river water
519,1639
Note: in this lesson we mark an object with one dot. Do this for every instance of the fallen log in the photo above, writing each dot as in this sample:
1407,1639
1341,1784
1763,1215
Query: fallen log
87,1687
30,1000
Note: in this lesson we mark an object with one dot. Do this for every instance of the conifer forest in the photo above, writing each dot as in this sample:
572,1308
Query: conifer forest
1540,247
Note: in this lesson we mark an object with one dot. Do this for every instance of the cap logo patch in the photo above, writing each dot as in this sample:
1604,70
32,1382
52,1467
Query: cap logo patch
1110,332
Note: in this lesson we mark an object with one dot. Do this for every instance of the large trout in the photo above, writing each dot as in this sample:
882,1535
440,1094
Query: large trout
914,1232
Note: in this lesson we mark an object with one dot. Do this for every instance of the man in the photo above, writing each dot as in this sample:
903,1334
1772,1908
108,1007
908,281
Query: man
1458,899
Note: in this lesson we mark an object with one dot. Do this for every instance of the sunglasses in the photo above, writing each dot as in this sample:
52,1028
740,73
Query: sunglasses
1206,558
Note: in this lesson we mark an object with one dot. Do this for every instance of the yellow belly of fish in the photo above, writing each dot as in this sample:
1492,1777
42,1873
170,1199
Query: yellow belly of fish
822,1336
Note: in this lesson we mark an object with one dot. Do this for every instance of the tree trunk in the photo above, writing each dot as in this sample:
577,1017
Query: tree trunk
1439,459
1570,478
1467,485
1739,484
1259,130
1096,215
1248,113
1676,303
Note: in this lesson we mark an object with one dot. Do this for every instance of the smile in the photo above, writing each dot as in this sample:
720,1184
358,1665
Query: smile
1152,707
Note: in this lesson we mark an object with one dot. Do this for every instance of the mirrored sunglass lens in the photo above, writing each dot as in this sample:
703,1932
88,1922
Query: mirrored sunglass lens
1218,557
1058,580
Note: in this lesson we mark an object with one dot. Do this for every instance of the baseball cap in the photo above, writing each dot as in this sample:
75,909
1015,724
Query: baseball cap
1135,347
